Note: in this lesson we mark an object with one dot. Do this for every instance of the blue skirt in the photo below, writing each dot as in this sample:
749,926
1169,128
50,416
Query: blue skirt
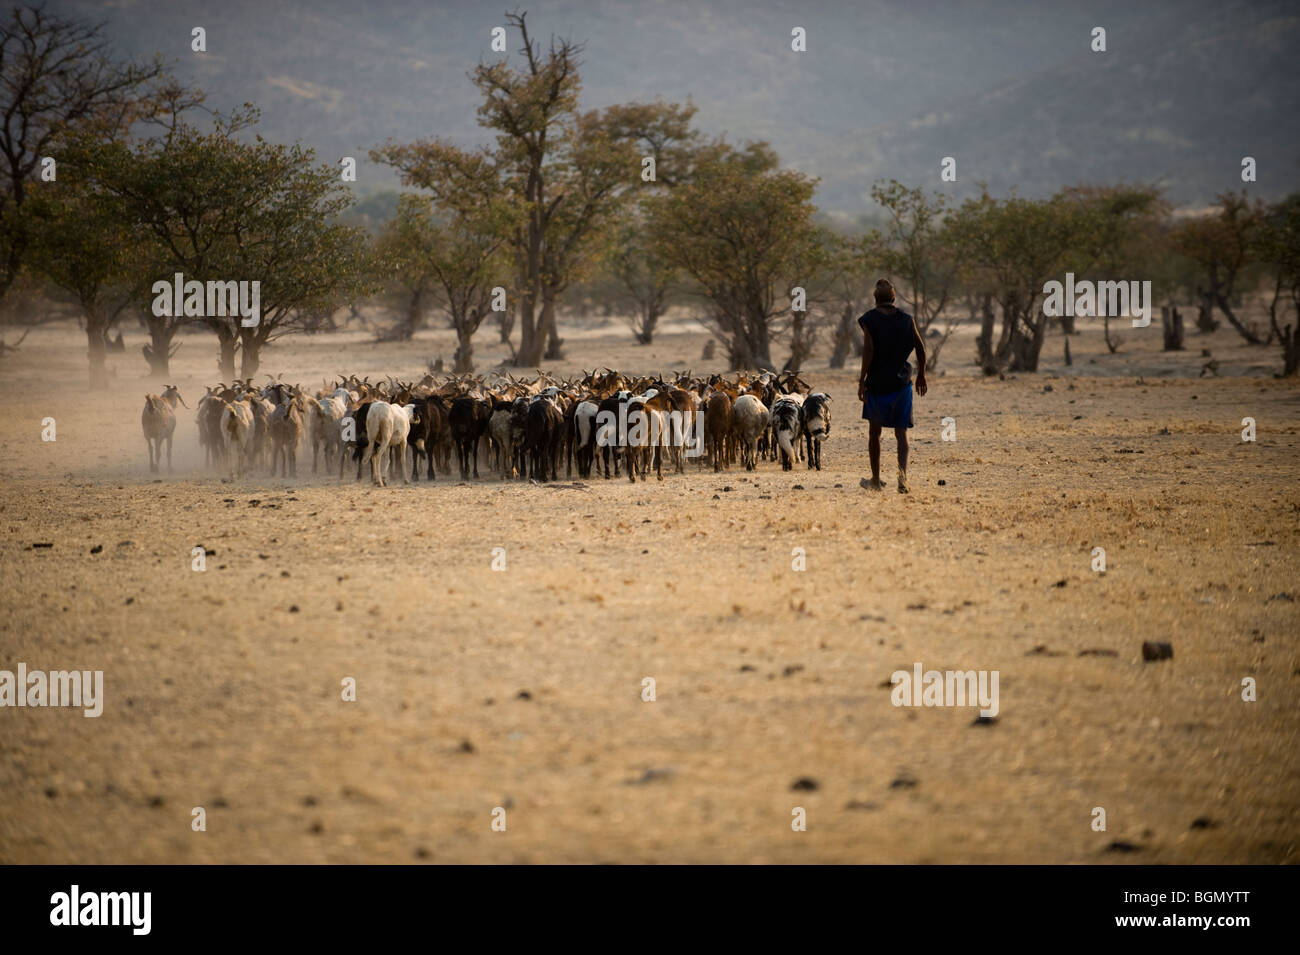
889,411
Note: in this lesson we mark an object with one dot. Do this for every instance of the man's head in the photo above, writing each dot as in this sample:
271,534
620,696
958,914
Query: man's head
884,292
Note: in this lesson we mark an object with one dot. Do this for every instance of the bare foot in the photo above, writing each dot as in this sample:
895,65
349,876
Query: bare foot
902,482
873,484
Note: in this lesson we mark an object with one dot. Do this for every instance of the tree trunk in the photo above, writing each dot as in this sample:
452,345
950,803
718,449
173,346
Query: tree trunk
546,333
1171,320
1004,348
530,347
758,344
97,351
843,341
1035,347
463,361
801,343
984,343
1226,308
1290,352
530,343
649,319
1205,322
1025,348
250,357
158,352
554,345
414,314
228,344
506,324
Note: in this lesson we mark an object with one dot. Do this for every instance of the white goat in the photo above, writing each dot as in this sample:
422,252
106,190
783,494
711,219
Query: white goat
749,418
387,428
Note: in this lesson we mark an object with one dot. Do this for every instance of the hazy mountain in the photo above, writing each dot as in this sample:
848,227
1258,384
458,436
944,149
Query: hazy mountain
1011,89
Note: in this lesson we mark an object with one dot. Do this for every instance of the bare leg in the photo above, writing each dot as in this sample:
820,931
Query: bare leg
873,449
901,435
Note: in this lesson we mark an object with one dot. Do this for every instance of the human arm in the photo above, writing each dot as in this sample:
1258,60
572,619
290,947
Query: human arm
868,350
921,386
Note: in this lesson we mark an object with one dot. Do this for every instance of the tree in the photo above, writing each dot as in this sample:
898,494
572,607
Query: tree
290,243
56,80
1278,245
1116,227
643,275
459,257
744,231
850,285
401,256
568,171
1013,247
219,209
78,240
914,247
1222,245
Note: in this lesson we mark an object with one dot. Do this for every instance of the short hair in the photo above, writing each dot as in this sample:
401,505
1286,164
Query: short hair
884,292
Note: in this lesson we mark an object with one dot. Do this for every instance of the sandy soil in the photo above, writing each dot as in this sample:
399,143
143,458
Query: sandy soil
522,689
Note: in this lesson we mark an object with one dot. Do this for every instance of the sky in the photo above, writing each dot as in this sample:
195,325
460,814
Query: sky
1012,90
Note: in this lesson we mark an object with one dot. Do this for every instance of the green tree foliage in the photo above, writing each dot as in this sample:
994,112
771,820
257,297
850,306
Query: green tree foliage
1278,247
1222,246
1012,247
455,256
78,240
568,172
1115,231
914,249
743,230
56,81
219,208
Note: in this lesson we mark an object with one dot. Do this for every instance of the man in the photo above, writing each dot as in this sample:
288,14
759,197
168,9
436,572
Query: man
885,385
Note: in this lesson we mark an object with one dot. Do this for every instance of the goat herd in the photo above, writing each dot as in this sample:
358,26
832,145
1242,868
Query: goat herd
524,428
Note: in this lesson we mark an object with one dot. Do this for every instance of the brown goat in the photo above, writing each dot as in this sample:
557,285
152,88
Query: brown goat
158,422
717,428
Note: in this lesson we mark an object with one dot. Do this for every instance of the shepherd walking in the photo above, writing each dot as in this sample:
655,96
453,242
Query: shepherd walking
885,385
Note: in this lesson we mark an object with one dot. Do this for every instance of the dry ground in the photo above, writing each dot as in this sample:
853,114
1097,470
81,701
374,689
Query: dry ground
522,689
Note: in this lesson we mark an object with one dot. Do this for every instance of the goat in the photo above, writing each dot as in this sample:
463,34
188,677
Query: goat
645,434
608,438
285,426
467,418
749,421
237,433
816,425
717,427
786,418
208,418
499,435
158,422
518,433
324,433
584,435
387,427
543,437
422,434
